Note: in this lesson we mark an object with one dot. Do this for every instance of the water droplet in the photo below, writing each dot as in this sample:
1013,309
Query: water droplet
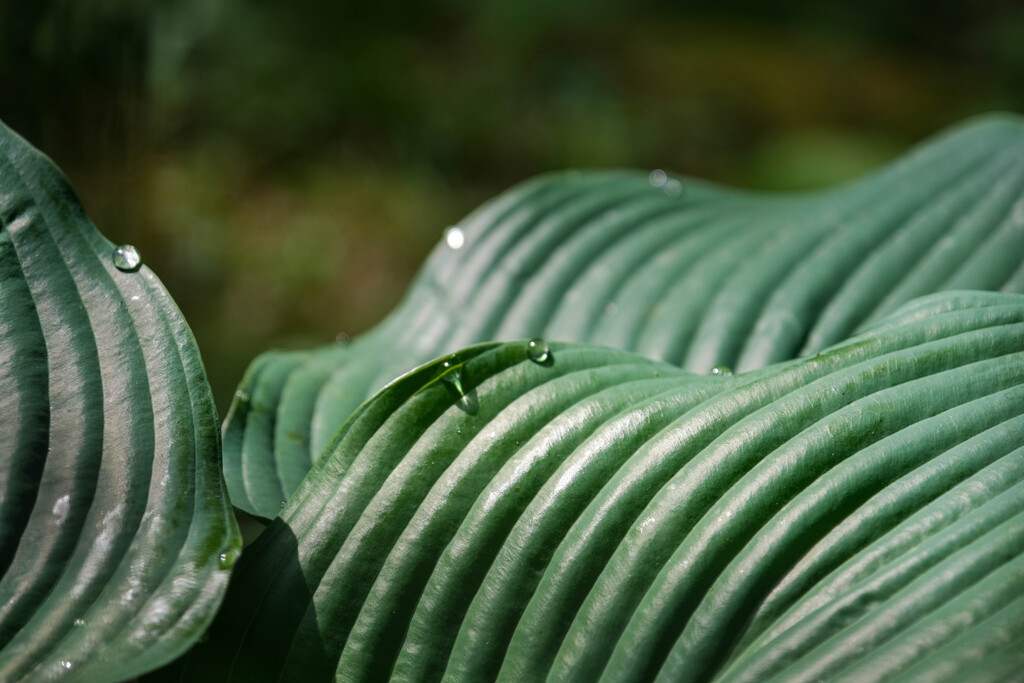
66,664
79,622
452,373
454,237
127,259
227,558
673,188
538,351
658,177
342,339
721,370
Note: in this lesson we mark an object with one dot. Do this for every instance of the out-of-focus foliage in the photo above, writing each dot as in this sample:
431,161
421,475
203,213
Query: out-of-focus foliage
262,154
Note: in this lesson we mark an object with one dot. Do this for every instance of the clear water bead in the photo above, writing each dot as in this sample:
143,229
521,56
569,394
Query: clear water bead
538,350
127,259
452,373
721,370
227,558
673,188
454,237
658,177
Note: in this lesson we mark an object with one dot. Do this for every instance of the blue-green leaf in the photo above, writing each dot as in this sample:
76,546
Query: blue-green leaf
855,514
116,534
678,271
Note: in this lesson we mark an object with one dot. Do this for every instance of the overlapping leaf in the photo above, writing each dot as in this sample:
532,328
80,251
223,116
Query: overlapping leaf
678,271
600,516
115,529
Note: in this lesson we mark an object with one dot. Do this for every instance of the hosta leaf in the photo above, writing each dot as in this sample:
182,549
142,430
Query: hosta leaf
115,528
599,515
678,271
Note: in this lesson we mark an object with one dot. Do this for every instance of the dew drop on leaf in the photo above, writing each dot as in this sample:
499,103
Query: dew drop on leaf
673,188
721,370
658,177
227,558
127,259
66,664
454,237
538,351
452,373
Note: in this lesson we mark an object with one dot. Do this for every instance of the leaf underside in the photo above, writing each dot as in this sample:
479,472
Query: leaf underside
856,514
693,275
113,510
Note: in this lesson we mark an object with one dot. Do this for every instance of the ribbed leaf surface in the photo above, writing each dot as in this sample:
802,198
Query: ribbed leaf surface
115,528
677,271
589,514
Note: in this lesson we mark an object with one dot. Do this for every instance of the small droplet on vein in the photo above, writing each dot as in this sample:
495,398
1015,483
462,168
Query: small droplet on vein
454,237
538,350
127,258
452,374
227,558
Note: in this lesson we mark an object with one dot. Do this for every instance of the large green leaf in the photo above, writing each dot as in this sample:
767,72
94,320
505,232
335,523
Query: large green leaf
581,513
116,534
676,270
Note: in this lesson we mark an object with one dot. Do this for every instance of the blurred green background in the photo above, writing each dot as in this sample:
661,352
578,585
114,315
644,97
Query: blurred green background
285,167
